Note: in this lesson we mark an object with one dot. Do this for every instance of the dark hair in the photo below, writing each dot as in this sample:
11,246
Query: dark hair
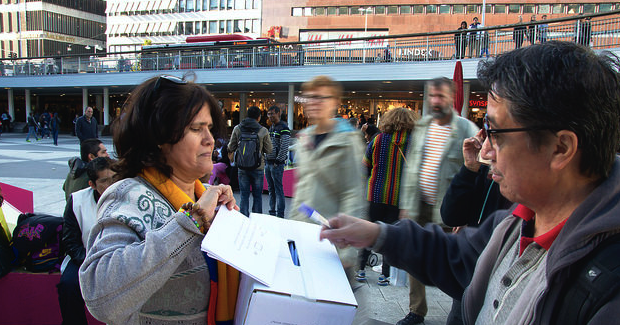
562,86
440,82
371,130
153,116
274,108
95,166
89,146
253,112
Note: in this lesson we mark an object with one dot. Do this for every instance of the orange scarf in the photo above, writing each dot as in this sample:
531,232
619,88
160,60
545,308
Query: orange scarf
224,278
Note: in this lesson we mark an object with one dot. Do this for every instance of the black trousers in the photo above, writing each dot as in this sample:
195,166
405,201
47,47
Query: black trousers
70,297
384,213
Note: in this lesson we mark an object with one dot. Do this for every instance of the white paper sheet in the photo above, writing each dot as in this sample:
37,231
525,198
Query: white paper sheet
243,244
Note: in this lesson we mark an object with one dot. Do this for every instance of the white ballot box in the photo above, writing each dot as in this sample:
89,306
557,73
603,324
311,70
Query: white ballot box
309,285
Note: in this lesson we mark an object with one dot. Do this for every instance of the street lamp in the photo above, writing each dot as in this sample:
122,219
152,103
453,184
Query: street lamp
365,11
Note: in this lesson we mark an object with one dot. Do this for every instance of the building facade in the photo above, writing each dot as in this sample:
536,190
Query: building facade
51,27
303,20
132,24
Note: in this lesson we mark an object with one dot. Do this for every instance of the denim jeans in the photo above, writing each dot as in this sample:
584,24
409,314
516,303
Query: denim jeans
31,131
253,179
273,173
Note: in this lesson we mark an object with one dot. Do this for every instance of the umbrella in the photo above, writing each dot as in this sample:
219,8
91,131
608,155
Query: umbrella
458,84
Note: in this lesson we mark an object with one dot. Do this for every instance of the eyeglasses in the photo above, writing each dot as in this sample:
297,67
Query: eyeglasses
489,133
318,98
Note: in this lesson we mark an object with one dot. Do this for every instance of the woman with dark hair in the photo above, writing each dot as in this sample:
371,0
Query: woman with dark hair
385,161
460,41
144,264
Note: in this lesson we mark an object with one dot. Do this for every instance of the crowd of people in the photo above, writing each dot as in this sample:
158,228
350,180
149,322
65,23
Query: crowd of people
503,219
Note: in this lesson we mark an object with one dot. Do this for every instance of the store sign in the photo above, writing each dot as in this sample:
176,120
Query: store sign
477,103
345,36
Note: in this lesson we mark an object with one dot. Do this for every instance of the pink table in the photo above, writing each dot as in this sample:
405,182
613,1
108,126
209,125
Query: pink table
288,182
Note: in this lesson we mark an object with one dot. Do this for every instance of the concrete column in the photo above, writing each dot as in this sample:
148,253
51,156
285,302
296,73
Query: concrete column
465,108
106,106
12,106
28,103
243,106
290,110
84,99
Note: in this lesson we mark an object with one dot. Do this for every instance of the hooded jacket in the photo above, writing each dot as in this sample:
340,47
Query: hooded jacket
452,262
77,178
265,145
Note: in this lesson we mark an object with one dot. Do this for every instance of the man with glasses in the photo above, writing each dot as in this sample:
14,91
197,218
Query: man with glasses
552,135
275,161
434,156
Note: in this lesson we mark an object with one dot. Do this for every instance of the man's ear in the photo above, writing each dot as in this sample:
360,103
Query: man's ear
566,146
92,185
91,156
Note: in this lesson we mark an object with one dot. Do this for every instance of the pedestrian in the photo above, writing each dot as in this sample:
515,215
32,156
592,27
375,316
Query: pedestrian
584,31
460,41
74,123
532,31
328,156
275,161
6,121
384,161
551,258
434,157
55,127
77,178
518,33
150,223
79,217
86,125
249,142
387,54
543,30
474,39
32,127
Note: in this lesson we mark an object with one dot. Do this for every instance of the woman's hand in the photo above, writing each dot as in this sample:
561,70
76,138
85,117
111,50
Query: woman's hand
214,195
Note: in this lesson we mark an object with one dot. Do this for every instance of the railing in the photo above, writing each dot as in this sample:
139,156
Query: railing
601,32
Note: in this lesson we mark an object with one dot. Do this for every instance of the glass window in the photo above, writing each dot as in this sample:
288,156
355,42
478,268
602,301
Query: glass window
256,4
472,9
392,10
528,9
458,9
231,4
204,28
514,9
213,5
379,10
307,11
431,9
604,7
572,9
248,26
444,9
489,9
197,28
239,4
205,4
544,9
248,4
190,5
237,26
180,28
222,29
255,26
588,8
212,26
222,4
343,11
319,11
189,28
331,11
418,9
405,10
297,12
182,6
557,9
229,26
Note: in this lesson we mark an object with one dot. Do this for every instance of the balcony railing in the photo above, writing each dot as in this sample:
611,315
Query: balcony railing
602,31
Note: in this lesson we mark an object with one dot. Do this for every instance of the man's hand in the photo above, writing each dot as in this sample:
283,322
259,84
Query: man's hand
350,231
471,148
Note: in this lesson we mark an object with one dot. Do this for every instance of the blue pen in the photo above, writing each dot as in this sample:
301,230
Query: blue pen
313,215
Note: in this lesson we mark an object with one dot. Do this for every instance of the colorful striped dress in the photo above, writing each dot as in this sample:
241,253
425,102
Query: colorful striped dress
385,163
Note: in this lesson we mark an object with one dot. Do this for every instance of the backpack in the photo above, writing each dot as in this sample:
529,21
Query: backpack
36,242
247,155
595,282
